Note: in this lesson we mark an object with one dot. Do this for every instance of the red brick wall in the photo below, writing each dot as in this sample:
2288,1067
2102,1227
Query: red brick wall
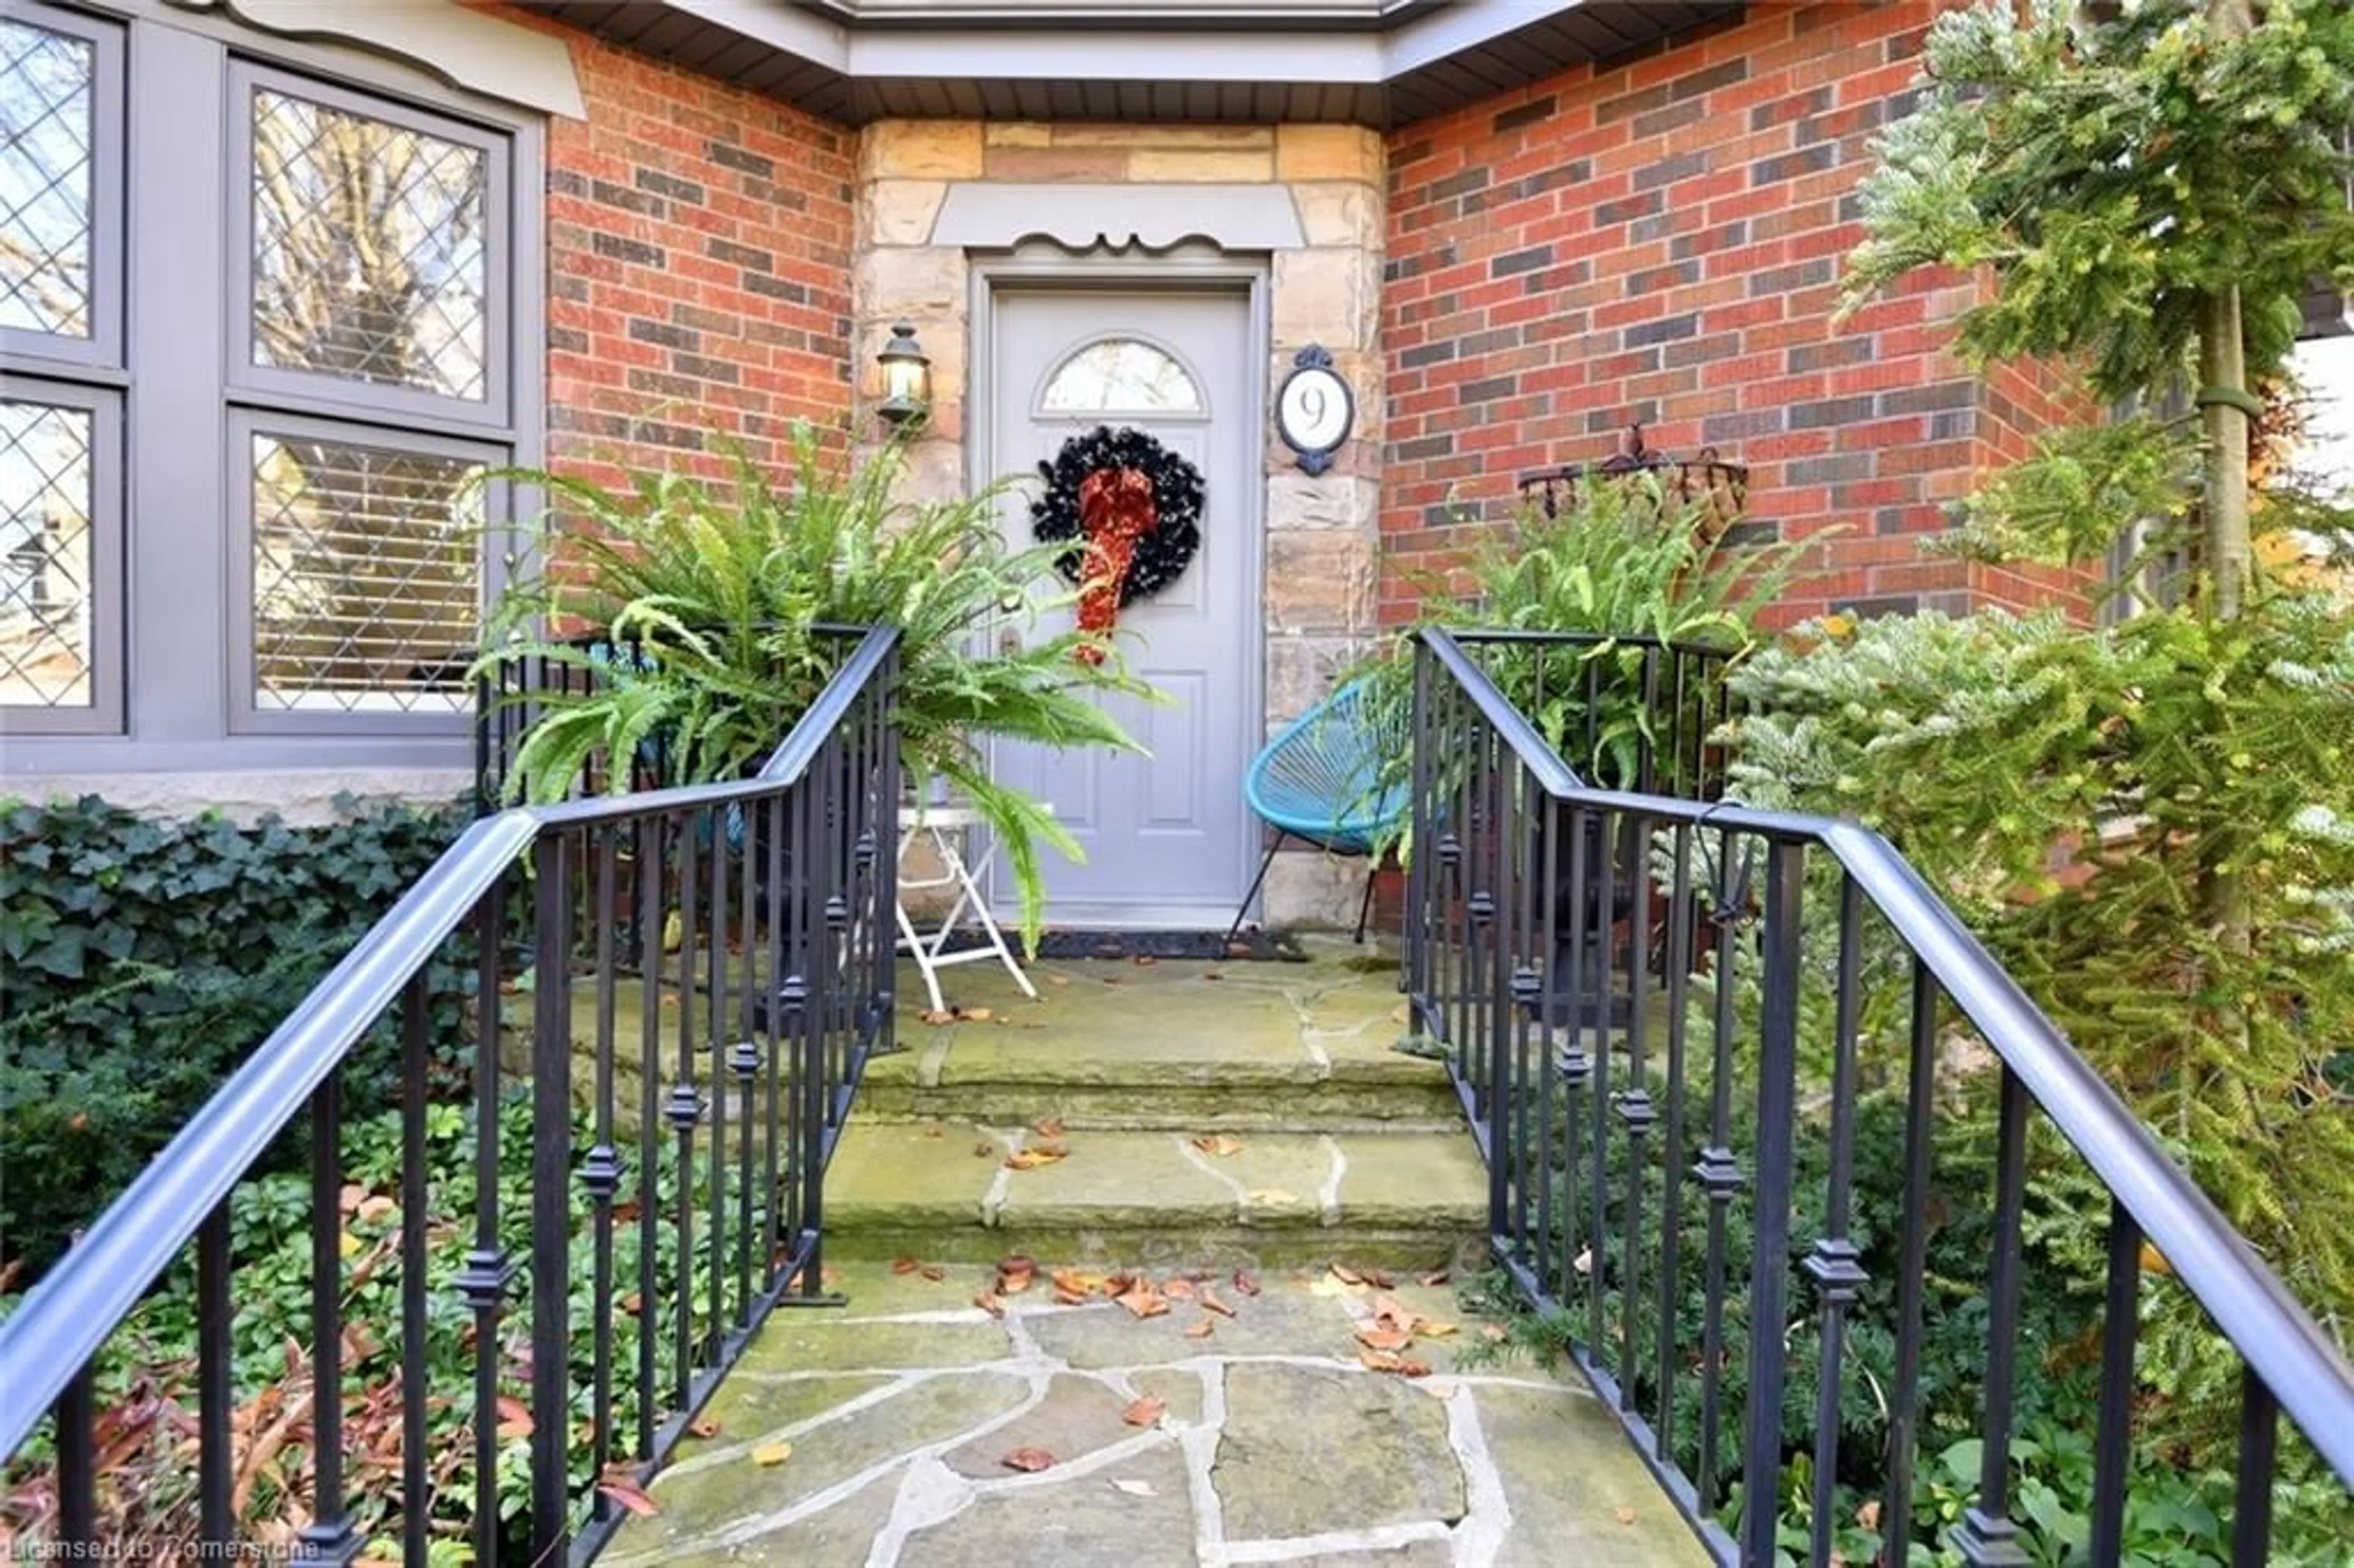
698,256
1661,238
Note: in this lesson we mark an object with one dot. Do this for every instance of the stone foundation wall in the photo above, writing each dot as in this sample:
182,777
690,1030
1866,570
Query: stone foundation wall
1322,533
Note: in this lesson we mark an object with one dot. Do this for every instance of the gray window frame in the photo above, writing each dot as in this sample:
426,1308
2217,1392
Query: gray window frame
103,714
247,715
179,705
102,351
319,388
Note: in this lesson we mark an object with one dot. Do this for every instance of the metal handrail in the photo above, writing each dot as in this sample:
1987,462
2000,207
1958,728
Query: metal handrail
69,1315
2304,1369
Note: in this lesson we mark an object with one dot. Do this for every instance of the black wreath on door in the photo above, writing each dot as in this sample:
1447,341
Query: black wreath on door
1160,555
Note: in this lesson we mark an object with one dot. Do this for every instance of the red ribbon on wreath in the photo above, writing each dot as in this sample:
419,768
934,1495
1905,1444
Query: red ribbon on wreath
1117,509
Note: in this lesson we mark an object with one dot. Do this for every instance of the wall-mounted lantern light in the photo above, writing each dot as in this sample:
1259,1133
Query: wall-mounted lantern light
907,377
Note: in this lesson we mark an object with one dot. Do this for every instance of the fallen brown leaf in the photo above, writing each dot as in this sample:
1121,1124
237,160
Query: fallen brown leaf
1210,1303
1347,1275
1245,1283
990,1302
1030,1159
975,1014
1144,1301
1380,1280
1028,1460
630,1495
1437,1277
904,1266
1624,1515
936,1016
769,1455
1070,1297
1201,1331
1388,1341
984,1149
1146,1411
1077,1283
1048,1127
935,1272
1218,1145
1015,1275
1432,1329
514,1418
1386,1362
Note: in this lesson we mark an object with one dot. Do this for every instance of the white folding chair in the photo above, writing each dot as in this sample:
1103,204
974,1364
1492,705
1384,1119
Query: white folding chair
946,826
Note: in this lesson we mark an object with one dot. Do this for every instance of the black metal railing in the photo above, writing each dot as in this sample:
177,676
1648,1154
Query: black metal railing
671,995
514,693
1672,1021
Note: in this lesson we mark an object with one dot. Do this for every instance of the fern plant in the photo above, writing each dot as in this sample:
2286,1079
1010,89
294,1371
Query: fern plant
1629,561
721,589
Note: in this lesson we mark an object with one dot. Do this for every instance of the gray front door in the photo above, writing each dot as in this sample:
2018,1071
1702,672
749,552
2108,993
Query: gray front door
1167,836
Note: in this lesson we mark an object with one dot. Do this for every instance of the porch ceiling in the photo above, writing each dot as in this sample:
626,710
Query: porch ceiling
1376,62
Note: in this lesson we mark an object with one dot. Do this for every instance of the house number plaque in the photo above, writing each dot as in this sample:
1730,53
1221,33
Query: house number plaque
1314,411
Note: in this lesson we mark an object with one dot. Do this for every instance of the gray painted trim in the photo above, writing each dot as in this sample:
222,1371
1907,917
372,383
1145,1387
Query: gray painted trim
246,716
313,389
987,217
103,349
461,47
103,713
176,579
1194,266
1203,63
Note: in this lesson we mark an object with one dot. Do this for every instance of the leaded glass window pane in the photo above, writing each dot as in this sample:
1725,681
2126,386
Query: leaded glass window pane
365,577
1121,375
47,163
45,556
370,255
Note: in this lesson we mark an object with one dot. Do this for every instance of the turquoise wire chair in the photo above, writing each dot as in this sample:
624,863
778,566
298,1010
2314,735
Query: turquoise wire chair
1319,781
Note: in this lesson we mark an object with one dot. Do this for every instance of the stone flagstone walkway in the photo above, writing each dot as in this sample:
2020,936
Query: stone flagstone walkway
896,1432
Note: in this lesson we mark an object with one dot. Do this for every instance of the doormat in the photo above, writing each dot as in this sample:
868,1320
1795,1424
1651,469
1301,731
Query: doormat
1248,946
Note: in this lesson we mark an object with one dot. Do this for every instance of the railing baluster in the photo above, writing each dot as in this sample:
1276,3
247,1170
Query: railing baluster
216,1394
1986,1538
551,1217
773,815
329,1537
1832,1264
1576,1062
1769,1258
600,1171
1636,1112
1680,901
1491,901
1601,889
77,1436
2113,1439
1912,1270
652,881
744,1052
717,1032
482,1282
683,1110
416,1490
1416,955
1548,898
1718,1173
2252,1513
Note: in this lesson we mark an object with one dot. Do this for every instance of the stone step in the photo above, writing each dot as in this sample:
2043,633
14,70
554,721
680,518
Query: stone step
944,1191
1170,1046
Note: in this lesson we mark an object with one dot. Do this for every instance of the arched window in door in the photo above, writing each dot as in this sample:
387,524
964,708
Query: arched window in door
1122,375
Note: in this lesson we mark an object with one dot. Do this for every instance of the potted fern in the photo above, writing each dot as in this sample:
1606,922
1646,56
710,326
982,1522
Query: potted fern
721,591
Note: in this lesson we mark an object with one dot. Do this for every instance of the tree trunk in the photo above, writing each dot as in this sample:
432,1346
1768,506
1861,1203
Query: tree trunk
2223,391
